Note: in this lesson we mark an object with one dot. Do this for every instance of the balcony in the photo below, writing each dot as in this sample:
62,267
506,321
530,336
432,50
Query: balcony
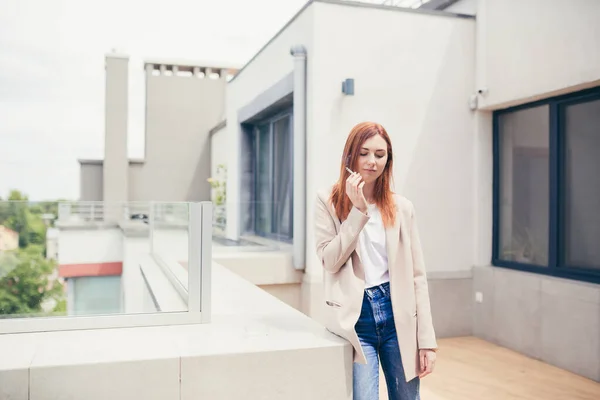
135,318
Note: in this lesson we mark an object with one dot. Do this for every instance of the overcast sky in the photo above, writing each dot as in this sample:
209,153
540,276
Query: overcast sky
52,72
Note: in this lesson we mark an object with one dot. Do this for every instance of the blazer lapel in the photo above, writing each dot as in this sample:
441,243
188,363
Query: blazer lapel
358,267
392,236
392,239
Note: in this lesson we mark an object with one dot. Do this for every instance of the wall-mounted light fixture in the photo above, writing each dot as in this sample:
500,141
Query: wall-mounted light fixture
348,87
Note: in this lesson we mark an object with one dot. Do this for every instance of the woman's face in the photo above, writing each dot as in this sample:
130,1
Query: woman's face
372,158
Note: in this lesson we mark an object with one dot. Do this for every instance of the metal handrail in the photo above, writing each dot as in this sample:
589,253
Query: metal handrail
98,211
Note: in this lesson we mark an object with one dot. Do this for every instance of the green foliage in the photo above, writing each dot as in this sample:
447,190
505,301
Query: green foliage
219,194
61,307
45,207
26,281
4,211
26,276
219,185
25,218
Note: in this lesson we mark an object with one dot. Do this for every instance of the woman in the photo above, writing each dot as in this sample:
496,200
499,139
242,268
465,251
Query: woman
375,282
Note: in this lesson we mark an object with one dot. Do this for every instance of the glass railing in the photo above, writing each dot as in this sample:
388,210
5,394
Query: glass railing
84,262
260,225
63,261
170,240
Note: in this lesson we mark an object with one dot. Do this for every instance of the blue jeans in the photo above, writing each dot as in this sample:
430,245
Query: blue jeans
377,334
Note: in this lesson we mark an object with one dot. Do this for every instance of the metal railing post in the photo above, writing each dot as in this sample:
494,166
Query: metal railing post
206,261
200,259
194,256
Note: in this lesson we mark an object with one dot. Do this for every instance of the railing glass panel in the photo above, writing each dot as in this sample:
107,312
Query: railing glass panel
73,265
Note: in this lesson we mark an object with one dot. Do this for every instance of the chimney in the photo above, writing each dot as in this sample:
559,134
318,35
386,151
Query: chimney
116,162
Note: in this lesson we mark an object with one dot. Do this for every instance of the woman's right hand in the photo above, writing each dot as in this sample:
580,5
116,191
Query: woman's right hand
354,190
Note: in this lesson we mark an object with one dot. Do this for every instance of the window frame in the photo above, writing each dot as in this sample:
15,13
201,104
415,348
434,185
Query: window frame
556,245
270,121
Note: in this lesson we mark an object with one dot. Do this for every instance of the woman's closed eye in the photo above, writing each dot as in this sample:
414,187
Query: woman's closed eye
376,155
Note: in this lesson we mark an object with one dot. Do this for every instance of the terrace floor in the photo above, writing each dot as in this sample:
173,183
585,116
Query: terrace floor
469,368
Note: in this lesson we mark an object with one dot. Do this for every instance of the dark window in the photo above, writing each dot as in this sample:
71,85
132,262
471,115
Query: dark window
523,186
580,208
273,177
547,187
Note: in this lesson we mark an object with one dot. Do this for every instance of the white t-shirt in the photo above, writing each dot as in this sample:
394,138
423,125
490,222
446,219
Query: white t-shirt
373,250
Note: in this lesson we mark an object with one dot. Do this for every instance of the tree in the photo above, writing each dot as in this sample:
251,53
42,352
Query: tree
25,219
4,211
26,281
27,278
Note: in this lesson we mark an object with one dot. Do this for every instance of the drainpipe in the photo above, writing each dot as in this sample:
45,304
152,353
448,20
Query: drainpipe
299,219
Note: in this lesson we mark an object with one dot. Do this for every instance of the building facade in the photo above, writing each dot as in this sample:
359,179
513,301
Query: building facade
495,134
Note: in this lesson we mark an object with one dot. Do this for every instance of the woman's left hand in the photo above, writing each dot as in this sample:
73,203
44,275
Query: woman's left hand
427,358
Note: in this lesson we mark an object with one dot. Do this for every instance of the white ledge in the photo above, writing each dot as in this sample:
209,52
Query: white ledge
163,292
255,347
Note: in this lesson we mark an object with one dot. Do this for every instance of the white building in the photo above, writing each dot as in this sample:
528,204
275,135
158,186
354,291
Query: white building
466,99
494,117
52,243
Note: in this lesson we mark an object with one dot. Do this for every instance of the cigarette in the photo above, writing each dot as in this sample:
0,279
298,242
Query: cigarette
349,170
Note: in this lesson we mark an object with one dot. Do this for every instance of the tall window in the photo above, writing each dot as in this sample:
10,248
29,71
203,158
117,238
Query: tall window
273,177
547,187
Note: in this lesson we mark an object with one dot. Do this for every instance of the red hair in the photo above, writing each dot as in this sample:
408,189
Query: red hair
382,191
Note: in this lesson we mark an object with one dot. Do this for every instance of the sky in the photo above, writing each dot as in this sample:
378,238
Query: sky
52,73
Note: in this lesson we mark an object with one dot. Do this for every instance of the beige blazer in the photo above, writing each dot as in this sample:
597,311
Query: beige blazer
344,279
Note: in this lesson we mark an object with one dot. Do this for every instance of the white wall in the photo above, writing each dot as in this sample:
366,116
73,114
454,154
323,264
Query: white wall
413,74
114,175
90,246
180,111
483,167
91,181
269,67
533,48
52,248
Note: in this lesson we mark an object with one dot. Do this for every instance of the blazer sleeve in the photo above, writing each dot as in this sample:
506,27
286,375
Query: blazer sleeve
334,249
425,331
